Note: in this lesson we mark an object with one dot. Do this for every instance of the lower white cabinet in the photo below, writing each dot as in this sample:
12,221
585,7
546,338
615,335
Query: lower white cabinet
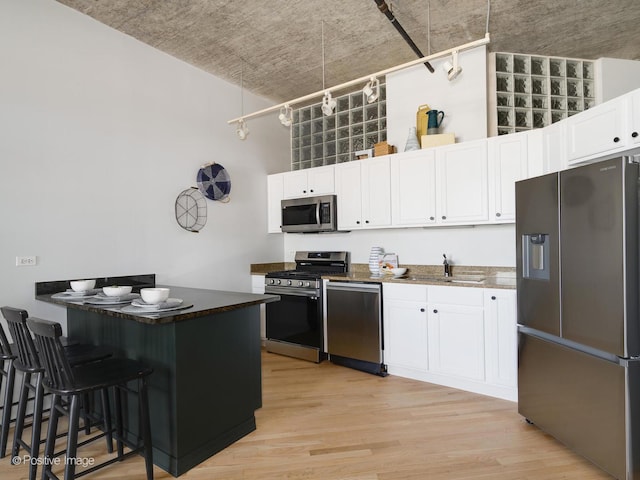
501,337
461,337
405,307
456,340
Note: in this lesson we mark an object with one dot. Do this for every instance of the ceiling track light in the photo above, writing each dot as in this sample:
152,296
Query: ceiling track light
328,104
452,69
371,90
361,80
286,115
242,130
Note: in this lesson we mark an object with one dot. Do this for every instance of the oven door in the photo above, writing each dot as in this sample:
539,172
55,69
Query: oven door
294,324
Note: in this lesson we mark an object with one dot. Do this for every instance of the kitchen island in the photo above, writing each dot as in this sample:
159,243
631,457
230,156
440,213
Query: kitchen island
206,383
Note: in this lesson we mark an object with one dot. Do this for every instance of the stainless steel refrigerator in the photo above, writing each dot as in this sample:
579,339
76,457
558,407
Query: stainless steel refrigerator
578,326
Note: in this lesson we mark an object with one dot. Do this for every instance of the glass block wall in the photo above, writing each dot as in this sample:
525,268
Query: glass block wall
318,140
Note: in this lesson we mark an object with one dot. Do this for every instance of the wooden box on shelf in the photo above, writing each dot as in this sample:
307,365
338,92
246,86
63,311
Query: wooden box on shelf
383,148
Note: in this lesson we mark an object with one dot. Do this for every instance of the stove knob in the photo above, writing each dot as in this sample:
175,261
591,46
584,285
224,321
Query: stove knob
307,284
300,283
271,281
278,282
289,282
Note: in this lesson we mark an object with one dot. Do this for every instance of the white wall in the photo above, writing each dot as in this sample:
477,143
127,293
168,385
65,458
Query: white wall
464,100
615,77
98,135
489,245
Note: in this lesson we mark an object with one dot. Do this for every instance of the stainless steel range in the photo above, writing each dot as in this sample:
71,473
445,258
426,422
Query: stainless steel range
295,324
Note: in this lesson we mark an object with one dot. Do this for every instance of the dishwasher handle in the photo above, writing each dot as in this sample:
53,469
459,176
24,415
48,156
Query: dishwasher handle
354,286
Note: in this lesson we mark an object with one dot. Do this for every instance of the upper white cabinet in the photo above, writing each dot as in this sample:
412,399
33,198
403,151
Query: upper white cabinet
309,182
275,193
554,150
461,185
608,128
508,156
413,188
364,194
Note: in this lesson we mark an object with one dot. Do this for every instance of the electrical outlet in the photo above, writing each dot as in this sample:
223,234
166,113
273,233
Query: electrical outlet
25,261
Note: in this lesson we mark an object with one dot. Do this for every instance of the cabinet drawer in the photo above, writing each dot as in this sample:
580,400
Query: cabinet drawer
456,296
410,293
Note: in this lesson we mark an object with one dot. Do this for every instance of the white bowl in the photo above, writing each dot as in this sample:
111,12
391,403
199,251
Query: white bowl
154,295
82,285
115,291
398,272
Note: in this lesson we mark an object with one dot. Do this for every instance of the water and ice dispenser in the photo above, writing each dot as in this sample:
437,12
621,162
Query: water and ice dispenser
535,256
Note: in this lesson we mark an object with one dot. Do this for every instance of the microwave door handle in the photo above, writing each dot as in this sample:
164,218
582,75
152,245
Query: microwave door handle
318,213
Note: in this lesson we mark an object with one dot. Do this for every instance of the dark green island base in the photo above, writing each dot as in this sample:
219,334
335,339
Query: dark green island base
206,383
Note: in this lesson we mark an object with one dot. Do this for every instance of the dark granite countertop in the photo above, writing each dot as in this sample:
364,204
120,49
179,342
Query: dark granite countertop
203,301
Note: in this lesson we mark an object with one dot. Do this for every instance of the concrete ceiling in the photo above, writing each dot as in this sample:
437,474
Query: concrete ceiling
278,43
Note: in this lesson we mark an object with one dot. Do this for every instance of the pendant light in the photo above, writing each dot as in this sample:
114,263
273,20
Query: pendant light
242,130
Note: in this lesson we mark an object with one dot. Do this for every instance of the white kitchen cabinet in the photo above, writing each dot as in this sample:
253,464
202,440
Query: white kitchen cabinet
554,152
309,182
405,326
461,185
456,332
508,157
363,189
413,188
275,193
598,130
634,117
501,337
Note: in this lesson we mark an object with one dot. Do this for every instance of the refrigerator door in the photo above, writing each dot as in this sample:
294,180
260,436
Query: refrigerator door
537,253
599,286
588,403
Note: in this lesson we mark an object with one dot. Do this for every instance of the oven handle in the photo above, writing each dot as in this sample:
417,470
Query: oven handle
353,286
296,292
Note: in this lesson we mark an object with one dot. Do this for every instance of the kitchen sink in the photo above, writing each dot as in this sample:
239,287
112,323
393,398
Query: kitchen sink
452,279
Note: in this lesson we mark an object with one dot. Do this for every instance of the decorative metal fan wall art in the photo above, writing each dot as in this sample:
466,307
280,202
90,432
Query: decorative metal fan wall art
191,210
214,182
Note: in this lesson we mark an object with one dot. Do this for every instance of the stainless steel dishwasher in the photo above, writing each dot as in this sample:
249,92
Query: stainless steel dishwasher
354,326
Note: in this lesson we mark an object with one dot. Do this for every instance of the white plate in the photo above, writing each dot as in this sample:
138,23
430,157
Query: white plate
146,311
104,300
71,295
168,303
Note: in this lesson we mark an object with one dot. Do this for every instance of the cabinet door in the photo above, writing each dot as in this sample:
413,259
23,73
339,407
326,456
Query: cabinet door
376,192
456,340
597,130
507,164
554,149
501,338
321,180
349,195
634,121
462,183
405,327
295,184
275,194
413,189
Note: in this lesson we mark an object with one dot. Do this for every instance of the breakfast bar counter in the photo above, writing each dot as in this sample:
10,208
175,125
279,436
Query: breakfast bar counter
207,381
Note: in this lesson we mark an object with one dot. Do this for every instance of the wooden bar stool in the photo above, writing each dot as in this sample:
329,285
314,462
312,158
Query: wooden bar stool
28,363
62,381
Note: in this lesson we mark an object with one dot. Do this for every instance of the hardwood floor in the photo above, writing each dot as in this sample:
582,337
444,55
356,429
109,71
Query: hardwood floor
326,422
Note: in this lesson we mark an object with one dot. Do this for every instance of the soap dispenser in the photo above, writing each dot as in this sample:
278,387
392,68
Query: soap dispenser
447,267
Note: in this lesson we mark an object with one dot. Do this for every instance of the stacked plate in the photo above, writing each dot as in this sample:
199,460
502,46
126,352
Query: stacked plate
101,299
73,295
140,306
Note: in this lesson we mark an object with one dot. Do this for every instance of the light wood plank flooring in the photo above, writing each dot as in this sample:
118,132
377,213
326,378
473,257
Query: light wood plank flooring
326,422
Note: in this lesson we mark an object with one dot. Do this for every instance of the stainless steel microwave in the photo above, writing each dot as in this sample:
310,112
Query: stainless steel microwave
309,214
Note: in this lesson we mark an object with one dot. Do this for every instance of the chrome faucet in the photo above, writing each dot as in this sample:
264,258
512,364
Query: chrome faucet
447,267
